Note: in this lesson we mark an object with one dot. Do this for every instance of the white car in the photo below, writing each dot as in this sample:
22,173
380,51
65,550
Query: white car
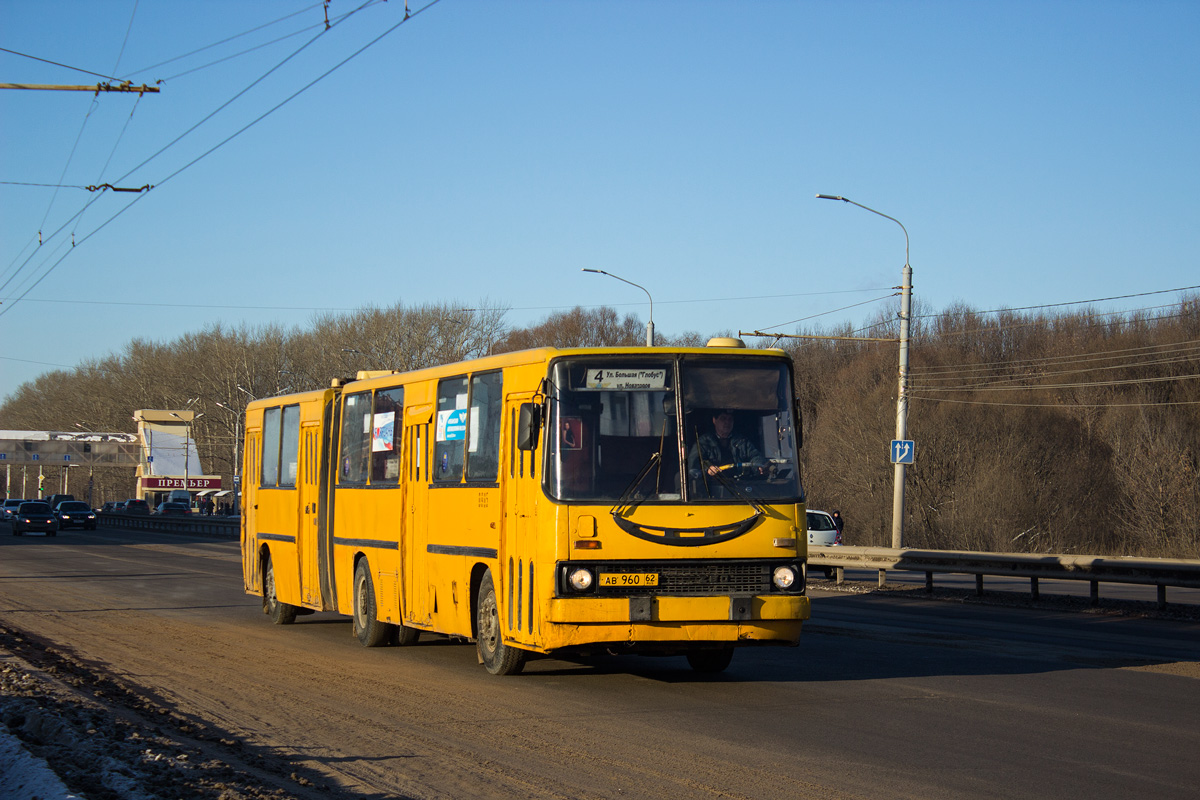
823,532
9,509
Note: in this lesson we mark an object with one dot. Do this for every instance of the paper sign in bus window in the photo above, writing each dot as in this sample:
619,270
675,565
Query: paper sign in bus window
452,425
382,435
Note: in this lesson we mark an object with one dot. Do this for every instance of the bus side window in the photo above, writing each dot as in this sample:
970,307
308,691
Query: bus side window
356,439
450,435
484,435
385,435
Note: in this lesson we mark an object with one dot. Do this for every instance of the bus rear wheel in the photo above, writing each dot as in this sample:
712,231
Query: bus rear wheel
280,613
497,657
369,631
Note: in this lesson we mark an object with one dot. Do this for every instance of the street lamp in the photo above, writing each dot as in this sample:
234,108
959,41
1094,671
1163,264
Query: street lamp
237,444
902,393
187,447
650,324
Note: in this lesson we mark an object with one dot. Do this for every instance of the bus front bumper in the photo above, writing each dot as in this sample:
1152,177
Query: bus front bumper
574,620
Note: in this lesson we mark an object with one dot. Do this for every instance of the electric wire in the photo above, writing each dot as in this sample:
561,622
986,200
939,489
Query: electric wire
57,64
1049,361
144,163
223,41
408,16
277,40
1052,405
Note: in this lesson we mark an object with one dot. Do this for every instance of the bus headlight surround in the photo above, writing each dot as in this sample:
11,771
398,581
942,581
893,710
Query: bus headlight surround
580,579
784,577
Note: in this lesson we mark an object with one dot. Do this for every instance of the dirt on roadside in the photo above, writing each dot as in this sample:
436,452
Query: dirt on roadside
106,742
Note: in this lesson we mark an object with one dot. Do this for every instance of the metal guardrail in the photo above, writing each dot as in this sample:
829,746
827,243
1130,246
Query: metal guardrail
1160,572
226,527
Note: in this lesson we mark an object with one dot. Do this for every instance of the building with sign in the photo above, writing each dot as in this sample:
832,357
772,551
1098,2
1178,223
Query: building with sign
170,458
162,453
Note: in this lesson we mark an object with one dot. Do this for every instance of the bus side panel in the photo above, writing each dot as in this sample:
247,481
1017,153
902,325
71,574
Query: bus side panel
251,578
463,530
416,596
367,524
520,583
308,534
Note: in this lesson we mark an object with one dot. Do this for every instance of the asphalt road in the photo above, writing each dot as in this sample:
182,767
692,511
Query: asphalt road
885,696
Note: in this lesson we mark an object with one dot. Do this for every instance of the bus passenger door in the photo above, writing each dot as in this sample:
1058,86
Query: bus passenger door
307,536
252,580
415,527
518,542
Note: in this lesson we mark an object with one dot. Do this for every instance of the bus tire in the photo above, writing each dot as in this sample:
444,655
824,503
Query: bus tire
280,613
710,661
497,657
369,631
404,635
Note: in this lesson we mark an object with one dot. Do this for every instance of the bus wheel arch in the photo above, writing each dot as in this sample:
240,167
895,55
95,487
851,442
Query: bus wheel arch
279,612
367,627
497,656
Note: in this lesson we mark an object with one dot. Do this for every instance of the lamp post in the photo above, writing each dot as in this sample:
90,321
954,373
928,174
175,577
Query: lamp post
902,392
237,444
650,324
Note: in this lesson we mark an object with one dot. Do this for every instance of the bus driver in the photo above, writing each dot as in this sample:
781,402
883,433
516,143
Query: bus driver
713,451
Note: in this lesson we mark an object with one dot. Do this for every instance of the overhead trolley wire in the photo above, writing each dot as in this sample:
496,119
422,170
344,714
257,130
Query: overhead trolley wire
408,16
144,163
1049,361
225,40
57,64
324,26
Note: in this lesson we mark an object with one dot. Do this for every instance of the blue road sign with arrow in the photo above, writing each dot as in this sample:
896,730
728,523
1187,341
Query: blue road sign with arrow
903,451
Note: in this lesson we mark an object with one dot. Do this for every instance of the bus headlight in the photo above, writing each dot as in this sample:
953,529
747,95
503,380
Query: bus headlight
580,579
784,577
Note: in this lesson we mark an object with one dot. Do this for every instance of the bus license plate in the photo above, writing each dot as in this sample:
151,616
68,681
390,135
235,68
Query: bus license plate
629,579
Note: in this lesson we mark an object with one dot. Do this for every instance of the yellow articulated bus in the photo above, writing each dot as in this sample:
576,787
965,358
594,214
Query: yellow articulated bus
642,500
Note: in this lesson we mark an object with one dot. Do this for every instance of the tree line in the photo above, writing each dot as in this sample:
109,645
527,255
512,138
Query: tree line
1073,432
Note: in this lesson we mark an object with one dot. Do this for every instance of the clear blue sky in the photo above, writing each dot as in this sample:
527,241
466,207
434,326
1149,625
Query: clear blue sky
1037,152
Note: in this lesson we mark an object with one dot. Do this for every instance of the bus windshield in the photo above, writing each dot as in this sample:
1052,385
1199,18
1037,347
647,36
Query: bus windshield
688,429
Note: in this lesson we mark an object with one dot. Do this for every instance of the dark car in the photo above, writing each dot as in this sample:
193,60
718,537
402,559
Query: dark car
179,509
35,517
54,499
77,513
136,507
110,505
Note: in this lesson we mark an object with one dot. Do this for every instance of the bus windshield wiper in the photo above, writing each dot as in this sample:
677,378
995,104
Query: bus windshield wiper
620,508
729,484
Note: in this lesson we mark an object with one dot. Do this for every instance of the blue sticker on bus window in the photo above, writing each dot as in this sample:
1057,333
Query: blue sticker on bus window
452,425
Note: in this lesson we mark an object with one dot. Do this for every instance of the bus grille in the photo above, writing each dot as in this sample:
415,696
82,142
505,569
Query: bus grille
695,579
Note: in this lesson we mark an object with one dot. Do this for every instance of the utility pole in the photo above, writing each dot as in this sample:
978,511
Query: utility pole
97,88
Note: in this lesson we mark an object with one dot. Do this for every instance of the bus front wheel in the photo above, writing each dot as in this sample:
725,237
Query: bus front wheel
497,657
369,631
280,613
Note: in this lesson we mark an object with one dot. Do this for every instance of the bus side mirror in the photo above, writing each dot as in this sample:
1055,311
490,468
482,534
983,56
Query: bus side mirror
529,425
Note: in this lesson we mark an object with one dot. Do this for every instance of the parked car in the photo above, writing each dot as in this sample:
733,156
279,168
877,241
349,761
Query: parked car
34,516
136,507
9,509
75,513
54,499
823,532
179,509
